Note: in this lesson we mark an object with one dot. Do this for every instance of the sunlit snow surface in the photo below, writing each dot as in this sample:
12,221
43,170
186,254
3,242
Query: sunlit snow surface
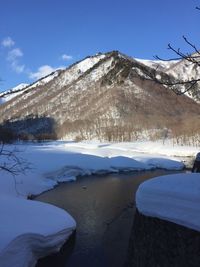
159,64
173,198
27,226
9,94
64,161
30,230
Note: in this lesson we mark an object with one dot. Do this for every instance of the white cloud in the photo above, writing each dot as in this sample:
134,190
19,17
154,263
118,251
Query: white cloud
43,71
66,57
13,58
17,67
7,42
14,54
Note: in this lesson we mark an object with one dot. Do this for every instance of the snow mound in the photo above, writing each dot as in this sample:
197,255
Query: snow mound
124,163
31,230
174,198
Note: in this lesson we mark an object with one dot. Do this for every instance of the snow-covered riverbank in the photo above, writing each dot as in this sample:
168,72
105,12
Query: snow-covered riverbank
55,162
174,198
63,161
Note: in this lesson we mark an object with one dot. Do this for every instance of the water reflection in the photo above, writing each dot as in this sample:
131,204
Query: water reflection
103,209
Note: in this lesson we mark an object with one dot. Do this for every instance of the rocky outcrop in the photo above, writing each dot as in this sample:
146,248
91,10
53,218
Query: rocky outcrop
155,242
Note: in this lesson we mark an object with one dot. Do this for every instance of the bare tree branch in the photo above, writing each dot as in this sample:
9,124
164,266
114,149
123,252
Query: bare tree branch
164,59
192,58
192,45
11,162
173,84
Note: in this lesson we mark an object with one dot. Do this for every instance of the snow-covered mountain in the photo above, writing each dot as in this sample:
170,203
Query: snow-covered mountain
104,96
178,70
183,71
74,72
9,94
158,64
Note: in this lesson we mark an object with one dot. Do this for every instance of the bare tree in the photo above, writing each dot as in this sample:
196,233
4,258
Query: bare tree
11,162
179,86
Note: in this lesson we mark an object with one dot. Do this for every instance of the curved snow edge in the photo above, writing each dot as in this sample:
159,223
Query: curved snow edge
26,249
174,198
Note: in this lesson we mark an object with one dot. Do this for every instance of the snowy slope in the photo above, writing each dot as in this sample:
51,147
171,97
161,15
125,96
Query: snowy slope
16,88
65,77
184,71
158,64
44,80
180,70
73,73
22,88
8,95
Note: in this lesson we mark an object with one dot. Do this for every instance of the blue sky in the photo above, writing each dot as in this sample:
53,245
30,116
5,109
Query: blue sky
38,36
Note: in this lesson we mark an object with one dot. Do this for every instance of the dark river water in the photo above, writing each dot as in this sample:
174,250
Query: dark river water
103,207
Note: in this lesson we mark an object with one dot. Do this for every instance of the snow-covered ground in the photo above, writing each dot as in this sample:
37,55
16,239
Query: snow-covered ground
27,226
63,161
173,198
58,161
30,230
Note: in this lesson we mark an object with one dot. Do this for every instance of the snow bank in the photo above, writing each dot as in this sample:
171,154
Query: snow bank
158,148
64,161
131,148
31,230
174,198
